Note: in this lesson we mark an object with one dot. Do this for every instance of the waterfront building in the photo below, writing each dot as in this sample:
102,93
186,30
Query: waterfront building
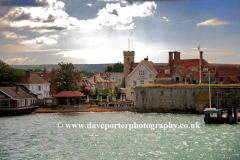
228,74
186,70
143,73
16,96
36,85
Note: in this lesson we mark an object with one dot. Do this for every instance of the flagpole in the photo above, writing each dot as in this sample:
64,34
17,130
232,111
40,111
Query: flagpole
200,64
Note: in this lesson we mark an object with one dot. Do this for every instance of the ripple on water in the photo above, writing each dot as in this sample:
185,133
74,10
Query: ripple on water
37,137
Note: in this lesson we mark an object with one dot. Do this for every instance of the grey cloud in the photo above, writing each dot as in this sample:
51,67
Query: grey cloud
130,2
115,12
17,16
14,3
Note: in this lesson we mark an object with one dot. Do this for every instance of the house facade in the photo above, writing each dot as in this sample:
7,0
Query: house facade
16,96
143,73
36,85
48,76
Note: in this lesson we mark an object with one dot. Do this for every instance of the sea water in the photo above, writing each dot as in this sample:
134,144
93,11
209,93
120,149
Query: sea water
116,136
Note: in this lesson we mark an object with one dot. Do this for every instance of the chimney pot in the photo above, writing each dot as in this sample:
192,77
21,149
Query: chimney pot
201,54
17,87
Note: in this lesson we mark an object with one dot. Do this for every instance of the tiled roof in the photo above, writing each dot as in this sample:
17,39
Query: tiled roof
34,79
150,65
228,70
70,94
234,79
11,91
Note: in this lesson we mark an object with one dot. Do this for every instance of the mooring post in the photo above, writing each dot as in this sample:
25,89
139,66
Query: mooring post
235,115
207,118
229,115
219,116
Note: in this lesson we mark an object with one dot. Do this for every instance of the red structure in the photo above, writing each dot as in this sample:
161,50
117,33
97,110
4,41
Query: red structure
64,97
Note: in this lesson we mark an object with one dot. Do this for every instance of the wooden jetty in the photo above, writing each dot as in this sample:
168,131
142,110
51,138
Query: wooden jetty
17,111
227,115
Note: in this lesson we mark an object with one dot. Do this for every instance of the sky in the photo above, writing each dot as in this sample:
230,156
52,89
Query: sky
34,32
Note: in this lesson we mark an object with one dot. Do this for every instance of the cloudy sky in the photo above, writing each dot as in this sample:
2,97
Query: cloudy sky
97,31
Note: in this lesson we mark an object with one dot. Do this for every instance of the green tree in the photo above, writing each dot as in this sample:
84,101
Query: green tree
106,90
66,77
117,67
123,82
109,69
9,76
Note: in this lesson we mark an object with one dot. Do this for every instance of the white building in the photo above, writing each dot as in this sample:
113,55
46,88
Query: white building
37,85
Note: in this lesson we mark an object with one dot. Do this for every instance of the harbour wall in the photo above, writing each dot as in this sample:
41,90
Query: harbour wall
183,98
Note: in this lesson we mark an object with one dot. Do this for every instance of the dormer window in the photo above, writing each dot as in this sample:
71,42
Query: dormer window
205,69
167,71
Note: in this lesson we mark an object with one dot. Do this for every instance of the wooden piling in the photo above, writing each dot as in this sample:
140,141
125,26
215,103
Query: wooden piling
235,115
229,115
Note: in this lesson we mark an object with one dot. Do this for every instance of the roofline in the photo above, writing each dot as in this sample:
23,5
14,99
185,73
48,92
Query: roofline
7,94
137,67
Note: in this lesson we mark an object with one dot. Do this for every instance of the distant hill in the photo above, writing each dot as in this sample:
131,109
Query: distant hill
79,67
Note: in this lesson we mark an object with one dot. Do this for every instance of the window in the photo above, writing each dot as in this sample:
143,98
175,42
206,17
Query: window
194,69
150,82
220,78
23,102
46,86
4,103
167,71
18,103
32,87
141,81
134,82
150,76
188,79
39,88
205,69
142,72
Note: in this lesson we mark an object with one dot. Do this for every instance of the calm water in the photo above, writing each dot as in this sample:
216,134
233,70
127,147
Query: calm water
37,136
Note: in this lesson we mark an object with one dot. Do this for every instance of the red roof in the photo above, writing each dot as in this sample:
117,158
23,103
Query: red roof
228,70
70,94
34,79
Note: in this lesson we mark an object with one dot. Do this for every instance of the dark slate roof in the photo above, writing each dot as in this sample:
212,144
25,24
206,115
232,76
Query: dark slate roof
11,92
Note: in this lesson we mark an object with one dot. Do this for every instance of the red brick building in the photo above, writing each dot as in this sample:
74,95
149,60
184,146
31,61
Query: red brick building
228,74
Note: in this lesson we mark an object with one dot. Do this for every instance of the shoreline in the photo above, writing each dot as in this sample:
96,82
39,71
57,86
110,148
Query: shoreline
49,110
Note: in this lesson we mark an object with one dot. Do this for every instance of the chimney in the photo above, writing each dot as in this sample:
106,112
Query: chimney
52,74
17,87
101,74
93,73
201,54
170,57
44,72
146,59
28,73
175,59
94,78
179,55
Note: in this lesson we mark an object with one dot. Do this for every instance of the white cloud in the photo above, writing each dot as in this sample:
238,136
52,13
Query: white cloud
12,35
32,60
49,40
89,4
213,22
53,17
16,60
40,19
165,19
185,21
